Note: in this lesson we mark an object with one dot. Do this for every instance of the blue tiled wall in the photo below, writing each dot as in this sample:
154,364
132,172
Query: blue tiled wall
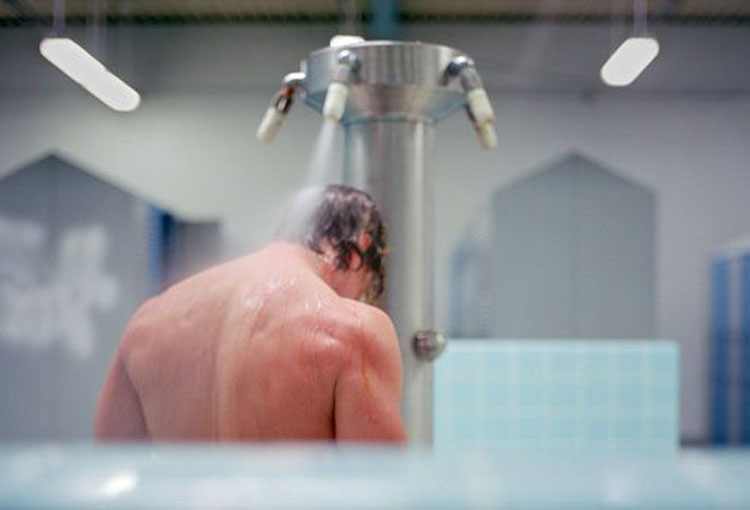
557,394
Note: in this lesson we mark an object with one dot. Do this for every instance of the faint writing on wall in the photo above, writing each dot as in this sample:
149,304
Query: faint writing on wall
50,291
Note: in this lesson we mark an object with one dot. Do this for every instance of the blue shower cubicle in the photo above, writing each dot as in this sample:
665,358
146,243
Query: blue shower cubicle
730,345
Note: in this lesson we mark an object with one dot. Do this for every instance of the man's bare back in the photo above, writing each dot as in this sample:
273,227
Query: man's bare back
260,348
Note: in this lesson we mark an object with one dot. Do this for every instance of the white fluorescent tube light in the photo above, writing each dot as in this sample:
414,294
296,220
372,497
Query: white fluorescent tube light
89,73
629,60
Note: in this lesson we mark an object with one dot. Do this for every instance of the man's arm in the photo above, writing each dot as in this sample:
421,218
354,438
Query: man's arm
368,389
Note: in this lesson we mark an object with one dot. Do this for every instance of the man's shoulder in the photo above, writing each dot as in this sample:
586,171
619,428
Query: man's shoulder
377,321
372,341
349,313
359,325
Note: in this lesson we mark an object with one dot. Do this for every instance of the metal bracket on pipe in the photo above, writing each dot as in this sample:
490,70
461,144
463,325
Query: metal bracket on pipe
348,61
428,345
456,67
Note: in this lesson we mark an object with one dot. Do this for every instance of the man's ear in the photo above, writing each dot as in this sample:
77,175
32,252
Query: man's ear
355,261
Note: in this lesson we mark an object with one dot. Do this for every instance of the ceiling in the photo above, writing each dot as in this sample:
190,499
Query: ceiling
14,12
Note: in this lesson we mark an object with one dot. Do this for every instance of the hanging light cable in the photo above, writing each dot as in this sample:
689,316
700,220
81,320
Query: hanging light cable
81,67
634,55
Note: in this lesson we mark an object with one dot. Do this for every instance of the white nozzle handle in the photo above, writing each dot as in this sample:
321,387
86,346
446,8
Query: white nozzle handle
335,104
480,106
487,135
270,124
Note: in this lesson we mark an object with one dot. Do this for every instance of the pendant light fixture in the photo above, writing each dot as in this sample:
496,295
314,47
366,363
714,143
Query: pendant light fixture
84,69
634,55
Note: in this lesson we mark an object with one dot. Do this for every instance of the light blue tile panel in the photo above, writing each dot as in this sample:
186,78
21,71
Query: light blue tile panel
557,394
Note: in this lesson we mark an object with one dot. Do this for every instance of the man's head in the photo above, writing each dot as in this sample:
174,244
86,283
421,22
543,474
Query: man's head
343,225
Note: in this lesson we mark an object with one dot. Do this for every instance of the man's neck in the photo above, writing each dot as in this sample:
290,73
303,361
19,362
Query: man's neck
307,257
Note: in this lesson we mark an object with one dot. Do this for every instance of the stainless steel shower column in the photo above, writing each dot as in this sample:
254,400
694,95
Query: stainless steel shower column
388,95
388,159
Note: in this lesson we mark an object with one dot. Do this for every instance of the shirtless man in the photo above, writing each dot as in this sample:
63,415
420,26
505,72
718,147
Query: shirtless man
275,345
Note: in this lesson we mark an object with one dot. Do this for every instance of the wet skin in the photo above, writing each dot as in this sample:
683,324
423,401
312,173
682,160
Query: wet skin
269,346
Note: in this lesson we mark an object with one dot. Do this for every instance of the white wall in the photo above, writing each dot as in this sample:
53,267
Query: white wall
683,132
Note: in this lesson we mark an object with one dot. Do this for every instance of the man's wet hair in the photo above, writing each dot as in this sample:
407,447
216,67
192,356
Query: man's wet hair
339,215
